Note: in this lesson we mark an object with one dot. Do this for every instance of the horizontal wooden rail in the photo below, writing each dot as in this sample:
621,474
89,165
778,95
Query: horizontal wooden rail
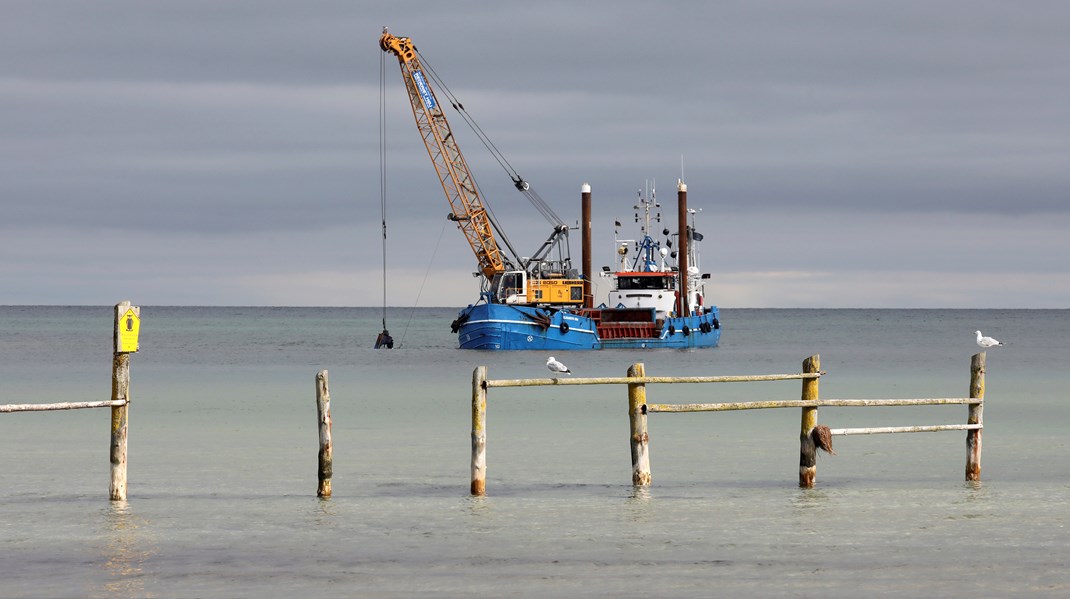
807,403
906,429
75,405
623,380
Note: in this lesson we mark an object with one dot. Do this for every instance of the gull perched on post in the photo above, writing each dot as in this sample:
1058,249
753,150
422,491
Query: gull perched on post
555,366
986,342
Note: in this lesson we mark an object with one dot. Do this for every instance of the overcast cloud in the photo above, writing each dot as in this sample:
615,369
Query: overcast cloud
844,154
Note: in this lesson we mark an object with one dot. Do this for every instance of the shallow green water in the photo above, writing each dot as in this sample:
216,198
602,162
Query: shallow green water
223,446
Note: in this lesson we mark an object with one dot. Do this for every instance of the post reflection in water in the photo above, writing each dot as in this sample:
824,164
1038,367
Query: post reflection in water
128,546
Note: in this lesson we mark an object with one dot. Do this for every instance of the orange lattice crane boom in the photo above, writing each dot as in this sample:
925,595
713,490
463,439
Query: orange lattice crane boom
469,212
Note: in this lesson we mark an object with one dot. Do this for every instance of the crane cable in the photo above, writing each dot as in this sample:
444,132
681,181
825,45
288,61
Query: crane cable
423,283
522,185
497,156
383,340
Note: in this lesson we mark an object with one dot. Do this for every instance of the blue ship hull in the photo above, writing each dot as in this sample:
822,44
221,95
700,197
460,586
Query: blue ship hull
506,327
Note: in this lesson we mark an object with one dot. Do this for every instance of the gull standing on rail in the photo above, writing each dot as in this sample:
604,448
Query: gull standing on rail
986,342
555,366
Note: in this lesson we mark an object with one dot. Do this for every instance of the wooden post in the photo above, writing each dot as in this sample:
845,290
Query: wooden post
479,431
120,414
973,437
326,453
807,448
639,437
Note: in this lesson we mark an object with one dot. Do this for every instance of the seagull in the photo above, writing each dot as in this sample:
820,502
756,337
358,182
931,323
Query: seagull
555,366
986,342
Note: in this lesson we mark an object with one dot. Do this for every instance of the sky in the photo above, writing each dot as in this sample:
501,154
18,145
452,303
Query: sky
844,154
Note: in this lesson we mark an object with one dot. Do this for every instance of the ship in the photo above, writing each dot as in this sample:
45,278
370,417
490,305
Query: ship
654,300
540,302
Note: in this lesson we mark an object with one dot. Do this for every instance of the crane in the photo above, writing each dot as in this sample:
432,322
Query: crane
512,280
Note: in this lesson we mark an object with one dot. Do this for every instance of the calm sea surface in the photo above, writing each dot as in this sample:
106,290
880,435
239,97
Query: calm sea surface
223,460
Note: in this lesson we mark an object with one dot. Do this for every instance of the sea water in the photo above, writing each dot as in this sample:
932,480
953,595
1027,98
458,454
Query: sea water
223,445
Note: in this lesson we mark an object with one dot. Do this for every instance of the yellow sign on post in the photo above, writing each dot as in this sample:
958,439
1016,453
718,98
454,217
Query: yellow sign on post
127,327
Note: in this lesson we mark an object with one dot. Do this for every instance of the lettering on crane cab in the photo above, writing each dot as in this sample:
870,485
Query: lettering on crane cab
425,92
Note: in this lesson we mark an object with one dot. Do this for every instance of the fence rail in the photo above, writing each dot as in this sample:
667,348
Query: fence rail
803,403
812,436
623,380
905,429
69,405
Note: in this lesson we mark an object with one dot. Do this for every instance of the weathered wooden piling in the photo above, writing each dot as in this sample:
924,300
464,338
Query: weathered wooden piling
120,392
637,418
326,452
479,431
973,436
807,447
120,415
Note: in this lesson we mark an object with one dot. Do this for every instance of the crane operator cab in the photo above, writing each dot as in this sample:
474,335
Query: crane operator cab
511,287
